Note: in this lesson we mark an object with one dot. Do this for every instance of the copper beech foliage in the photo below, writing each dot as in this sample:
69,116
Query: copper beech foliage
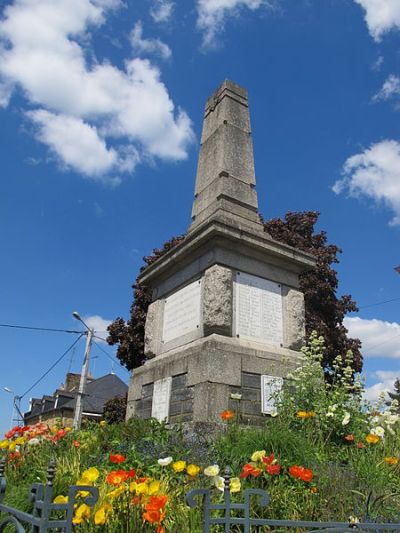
324,310
129,336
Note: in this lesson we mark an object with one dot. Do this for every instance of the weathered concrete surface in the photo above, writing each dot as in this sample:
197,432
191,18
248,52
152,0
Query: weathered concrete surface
294,326
225,177
213,366
153,329
217,301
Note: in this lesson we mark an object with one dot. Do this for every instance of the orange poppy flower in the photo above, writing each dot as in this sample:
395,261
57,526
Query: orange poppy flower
306,475
117,458
227,415
372,439
295,471
248,469
301,473
156,503
360,445
154,517
116,477
349,437
76,443
160,529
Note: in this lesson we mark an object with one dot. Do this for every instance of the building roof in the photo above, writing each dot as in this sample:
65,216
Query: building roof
97,393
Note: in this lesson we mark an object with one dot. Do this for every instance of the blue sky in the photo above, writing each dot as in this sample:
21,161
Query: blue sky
100,118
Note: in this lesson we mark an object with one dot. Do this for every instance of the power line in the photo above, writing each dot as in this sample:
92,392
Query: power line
379,303
108,355
382,343
52,366
18,326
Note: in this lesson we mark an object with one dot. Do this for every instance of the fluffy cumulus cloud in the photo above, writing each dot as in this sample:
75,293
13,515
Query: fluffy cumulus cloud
99,324
385,383
148,46
161,10
212,15
98,119
374,174
379,338
381,16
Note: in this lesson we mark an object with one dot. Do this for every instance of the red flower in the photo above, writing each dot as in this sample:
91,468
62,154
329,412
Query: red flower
349,437
227,415
131,473
268,460
10,434
360,445
248,469
117,458
76,443
273,470
154,517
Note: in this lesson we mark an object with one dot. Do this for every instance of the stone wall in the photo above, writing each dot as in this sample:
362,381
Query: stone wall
249,406
181,402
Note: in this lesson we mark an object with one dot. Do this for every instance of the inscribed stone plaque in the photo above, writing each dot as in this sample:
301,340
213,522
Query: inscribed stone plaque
182,312
258,309
161,398
270,386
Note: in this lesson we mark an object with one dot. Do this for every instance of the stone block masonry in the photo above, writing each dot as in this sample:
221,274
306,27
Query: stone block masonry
226,306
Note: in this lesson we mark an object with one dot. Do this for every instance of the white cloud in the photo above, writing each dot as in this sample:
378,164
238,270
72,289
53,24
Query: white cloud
99,324
213,13
381,16
148,46
161,11
387,379
123,115
390,89
374,174
379,338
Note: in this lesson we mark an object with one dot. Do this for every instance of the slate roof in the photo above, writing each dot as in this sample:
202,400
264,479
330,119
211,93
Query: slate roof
97,393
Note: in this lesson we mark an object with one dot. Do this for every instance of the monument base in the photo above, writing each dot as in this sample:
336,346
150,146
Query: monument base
195,382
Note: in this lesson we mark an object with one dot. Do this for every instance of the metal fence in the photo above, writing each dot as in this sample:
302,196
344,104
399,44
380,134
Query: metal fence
47,515
44,514
226,515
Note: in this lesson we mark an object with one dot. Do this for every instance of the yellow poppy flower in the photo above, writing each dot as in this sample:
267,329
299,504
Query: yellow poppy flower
391,460
116,492
302,414
179,466
372,439
19,441
4,444
90,475
142,488
257,456
60,499
100,516
235,485
83,493
192,470
12,446
153,487
81,513
103,423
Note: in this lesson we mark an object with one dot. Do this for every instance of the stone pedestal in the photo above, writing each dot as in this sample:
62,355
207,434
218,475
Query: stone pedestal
226,307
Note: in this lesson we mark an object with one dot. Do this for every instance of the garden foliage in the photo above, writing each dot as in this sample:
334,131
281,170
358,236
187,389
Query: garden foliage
326,455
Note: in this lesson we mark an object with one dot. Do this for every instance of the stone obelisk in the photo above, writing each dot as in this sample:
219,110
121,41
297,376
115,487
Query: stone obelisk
227,315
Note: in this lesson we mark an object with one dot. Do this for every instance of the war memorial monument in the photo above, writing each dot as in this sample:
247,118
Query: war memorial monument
227,315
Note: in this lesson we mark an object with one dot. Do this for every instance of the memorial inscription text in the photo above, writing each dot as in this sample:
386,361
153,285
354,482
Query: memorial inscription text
182,312
258,309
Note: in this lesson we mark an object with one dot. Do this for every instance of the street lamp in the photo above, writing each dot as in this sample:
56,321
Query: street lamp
15,407
85,368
